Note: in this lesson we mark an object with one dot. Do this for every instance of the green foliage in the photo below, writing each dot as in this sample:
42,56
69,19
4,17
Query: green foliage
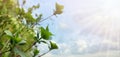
45,34
36,51
53,46
18,38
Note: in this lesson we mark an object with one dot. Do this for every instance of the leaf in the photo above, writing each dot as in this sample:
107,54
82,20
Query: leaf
23,42
47,28
22,54
37,35
17,40
45,34
1,45
53,45
33,8
36,51
39,18
24,1
29,17
8,33
43,41
59,9
37,38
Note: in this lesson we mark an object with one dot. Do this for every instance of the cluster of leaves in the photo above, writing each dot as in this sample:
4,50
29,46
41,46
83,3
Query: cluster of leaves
19,30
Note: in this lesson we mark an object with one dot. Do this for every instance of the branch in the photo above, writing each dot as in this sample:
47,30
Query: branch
30,46
44,53
41,21
46,18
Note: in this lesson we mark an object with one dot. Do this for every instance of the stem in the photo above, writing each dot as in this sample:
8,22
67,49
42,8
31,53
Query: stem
30,46
41,21
44,53
5,45
46,18
1,35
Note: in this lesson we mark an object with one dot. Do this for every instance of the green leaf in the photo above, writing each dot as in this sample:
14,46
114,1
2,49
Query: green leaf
45,34
47,28
37,38
59,9
8,33
17,40
33,8
36,51
23,42
7,54
22,54
37,35
29,17
53,45
1,45
39,18
44,41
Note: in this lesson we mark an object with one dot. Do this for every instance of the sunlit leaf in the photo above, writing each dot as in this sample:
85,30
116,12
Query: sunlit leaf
59,9
8,33
17,40
23,42
22,54
29,17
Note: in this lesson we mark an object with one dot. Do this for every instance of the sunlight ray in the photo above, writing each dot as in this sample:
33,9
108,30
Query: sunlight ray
104,23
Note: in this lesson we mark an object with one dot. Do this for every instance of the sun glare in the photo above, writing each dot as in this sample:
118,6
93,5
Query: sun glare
106,21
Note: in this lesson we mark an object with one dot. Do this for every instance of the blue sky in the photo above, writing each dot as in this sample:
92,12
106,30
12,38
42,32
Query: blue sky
87,28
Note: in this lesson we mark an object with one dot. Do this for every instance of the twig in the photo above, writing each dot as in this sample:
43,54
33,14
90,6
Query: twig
44,53
46,18
30,46
41,21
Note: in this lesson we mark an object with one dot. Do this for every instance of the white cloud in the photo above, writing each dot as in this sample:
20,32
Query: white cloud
63,25
81,45
64,48
114,44
99,54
